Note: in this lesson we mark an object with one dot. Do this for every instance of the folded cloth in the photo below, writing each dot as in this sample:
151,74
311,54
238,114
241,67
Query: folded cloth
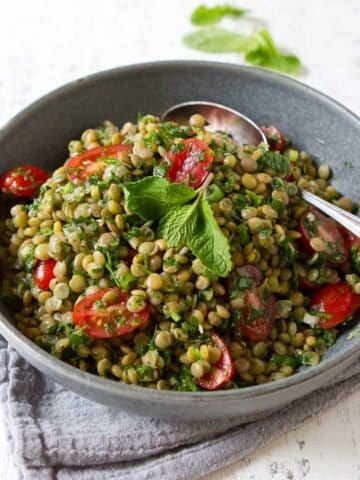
56,435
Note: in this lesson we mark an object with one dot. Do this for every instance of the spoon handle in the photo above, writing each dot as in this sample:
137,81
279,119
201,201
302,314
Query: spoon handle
346,219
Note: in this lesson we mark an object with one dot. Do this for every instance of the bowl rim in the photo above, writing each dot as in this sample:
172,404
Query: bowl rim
58,368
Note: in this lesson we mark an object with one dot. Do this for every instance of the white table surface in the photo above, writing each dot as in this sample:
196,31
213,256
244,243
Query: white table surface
45,44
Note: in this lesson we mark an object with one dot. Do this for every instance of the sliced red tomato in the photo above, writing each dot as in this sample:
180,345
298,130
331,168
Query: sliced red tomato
43,273
245,277
305,284
107,321
222,371
351,240
23,181
189,162
334,304
276,139
258,314
315,224
90,163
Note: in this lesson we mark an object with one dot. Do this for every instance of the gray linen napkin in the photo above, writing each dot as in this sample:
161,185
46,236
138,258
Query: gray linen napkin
57,435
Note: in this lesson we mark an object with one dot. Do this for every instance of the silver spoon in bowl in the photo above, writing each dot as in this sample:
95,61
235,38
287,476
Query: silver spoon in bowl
218,117
245,131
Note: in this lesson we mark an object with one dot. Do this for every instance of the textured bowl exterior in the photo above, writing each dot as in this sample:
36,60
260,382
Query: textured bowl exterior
317,124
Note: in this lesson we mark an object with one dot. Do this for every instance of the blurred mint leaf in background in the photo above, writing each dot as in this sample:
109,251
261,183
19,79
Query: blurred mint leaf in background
204,15
215,40
262,51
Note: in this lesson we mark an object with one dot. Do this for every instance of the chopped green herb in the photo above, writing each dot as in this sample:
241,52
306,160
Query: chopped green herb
145,373
175,316
160,171
328,336
243,233
285,360
241,284
127,281
29,263
274,160
214,193
355,259
257,200
186,381
320,314
78,337
288,250
99,305
278,206
254,313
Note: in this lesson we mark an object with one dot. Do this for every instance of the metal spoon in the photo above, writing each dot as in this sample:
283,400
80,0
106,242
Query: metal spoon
245,131
218,117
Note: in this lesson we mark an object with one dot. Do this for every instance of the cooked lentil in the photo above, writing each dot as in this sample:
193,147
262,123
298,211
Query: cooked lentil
98,244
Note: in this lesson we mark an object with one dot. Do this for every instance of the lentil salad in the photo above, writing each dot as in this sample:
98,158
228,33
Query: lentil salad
112,282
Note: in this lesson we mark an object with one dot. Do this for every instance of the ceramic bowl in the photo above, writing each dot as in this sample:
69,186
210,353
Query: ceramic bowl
39,135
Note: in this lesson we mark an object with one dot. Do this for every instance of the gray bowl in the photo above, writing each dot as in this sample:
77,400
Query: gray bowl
39,135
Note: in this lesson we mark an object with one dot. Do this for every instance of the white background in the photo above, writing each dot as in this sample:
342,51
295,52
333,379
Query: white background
44,44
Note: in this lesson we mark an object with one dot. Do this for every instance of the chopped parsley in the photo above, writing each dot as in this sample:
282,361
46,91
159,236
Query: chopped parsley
243,233
241,284
186,381
254,313
127,281
78,337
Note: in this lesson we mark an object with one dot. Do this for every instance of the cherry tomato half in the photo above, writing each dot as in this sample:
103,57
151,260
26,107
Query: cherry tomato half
221,372
258,314
107,321
276,139
23,181
305,284
43,273
314,224
90,162
351,240
189,162
335,304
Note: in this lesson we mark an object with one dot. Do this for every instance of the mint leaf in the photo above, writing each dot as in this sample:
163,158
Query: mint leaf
204,15
153,197
274,160
262,51
195,227
208,242
216,40
178,226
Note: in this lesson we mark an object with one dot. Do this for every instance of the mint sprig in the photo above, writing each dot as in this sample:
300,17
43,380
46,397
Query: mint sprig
258,48
182,223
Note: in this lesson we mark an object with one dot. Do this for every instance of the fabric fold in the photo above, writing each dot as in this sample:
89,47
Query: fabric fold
55,434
